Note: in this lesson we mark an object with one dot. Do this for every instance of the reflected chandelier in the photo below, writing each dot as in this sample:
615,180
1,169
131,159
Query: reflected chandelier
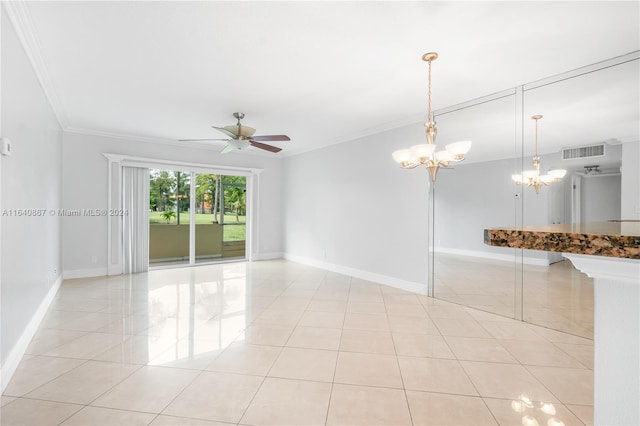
426,154
533,177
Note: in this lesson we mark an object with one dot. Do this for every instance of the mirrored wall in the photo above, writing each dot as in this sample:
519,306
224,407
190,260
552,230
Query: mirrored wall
588,116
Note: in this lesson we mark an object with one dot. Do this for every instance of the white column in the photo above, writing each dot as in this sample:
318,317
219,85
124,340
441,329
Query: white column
616,399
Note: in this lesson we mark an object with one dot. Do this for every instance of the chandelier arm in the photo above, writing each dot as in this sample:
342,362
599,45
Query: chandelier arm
410,166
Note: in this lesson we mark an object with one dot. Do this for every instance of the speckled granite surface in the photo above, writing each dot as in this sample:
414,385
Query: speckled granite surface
611,239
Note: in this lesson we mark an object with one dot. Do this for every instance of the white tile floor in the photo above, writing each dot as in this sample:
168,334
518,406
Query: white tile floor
278,343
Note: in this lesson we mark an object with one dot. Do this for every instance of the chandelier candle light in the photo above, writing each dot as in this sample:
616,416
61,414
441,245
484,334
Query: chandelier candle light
426,154
533,177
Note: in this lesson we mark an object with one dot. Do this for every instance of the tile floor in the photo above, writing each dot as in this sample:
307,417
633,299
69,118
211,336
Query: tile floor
279,343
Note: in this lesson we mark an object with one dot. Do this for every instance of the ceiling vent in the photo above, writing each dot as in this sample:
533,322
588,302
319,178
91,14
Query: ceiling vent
583,152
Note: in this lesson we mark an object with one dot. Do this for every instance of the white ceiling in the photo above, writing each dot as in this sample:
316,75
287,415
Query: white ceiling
321,72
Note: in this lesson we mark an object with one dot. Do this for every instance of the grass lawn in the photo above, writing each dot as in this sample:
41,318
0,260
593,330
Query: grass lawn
232,231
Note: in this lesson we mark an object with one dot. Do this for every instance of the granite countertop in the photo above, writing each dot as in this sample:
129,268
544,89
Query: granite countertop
611,239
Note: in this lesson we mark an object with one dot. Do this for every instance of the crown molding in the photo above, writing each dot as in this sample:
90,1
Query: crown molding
115,135
381,128
350,137
18,14
163,141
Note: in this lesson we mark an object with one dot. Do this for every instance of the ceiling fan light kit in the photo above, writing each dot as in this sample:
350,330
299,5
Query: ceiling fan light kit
426,154
241,137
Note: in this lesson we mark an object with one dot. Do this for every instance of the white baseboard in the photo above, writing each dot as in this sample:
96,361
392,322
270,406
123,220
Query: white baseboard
493,256
267,256
359,273
12,361
116,270
84,273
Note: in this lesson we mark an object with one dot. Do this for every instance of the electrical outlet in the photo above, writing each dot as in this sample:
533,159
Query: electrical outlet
55,271
94,260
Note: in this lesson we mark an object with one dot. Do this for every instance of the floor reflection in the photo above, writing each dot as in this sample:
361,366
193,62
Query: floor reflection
535,413
276,342
557,296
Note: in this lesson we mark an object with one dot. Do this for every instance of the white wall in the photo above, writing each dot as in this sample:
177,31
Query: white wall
601,198
31,179
630,203
350,208
1,356
85,176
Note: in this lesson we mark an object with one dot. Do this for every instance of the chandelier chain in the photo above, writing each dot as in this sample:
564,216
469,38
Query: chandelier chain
536,137
429,116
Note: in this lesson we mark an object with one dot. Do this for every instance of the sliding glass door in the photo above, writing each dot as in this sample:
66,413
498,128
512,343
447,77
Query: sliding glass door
195,217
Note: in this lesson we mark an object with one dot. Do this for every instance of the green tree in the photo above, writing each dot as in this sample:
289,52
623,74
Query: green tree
207,192
161,184
216,199
235,195
181,191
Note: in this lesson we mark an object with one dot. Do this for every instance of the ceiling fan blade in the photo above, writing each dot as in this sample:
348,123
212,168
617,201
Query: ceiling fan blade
225,131
200,140
227,149
266,147
271,138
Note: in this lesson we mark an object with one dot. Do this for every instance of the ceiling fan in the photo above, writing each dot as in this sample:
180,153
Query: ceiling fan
242,137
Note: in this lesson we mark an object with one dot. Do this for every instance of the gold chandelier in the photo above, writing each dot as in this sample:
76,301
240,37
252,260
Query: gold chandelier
533,177
426,154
